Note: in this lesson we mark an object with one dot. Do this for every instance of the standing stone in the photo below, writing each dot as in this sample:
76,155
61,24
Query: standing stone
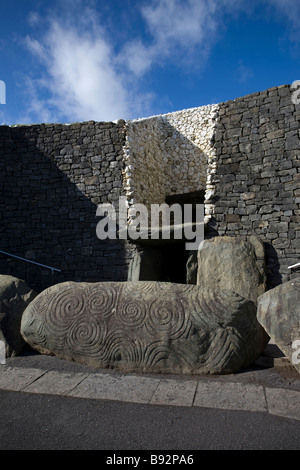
145,327
15,295
192,268
234,264
279,314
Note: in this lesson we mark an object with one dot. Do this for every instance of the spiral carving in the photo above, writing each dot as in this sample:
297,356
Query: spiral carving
146,326
64,307
101,302
142,288
131,312
166,316
85,336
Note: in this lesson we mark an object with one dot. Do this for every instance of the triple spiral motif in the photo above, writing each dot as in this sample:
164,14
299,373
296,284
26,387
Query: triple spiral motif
146,325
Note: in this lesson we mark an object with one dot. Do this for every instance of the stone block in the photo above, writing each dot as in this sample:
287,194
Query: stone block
145,327
234,264
15,295
279,314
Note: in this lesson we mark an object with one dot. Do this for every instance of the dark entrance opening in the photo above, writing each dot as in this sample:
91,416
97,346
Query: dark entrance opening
175,257
165,260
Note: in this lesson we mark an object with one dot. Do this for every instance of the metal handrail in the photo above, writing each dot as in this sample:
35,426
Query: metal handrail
29,261
294,266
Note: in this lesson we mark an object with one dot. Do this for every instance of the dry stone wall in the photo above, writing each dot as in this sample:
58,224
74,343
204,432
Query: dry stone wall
51,179
257,178
244,154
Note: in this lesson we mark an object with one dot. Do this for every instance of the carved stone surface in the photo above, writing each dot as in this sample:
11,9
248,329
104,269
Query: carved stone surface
145,327
234,264
279,313
15,295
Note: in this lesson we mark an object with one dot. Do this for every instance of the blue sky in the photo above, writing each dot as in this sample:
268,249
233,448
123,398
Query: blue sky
75,60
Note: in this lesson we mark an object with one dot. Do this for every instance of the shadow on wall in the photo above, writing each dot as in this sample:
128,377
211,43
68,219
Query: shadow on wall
274,276
154,164
163,161
46,218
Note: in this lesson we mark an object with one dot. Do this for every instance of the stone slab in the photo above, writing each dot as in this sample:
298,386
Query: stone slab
279,312
230,396
173,392
16,378
150,390
233,263
145,327
56,383
282,402
15,296
120,388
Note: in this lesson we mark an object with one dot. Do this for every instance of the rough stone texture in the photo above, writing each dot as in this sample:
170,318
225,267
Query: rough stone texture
233,264
15,295
243,154
192,268
145,327
249,149
52,177
257,180
169,154
279,314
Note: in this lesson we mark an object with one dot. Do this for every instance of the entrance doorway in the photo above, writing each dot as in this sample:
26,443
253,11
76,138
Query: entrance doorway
165,262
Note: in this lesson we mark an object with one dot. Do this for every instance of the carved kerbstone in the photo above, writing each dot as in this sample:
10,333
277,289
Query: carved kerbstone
145,327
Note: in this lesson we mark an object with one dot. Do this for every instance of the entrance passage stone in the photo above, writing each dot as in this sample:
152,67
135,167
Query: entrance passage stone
279,314
145,327
234,264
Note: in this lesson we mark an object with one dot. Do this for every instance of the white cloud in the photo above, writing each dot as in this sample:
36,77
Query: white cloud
243,72
38,108
181,31
36,48
33,18
178,29
175,23
84,78
137,57
79,73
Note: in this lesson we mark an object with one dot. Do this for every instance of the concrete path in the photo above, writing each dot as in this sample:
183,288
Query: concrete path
278,395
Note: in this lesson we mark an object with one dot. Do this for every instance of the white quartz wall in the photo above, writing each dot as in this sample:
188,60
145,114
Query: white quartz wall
170,154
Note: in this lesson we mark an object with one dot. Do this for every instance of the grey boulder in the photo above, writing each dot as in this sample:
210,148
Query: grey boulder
279,313
234,264
145,326
15,295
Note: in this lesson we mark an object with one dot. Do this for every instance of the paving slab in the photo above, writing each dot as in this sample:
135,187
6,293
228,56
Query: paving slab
16,378
120,388
282,402
274,390
56,383
230,396
173,392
